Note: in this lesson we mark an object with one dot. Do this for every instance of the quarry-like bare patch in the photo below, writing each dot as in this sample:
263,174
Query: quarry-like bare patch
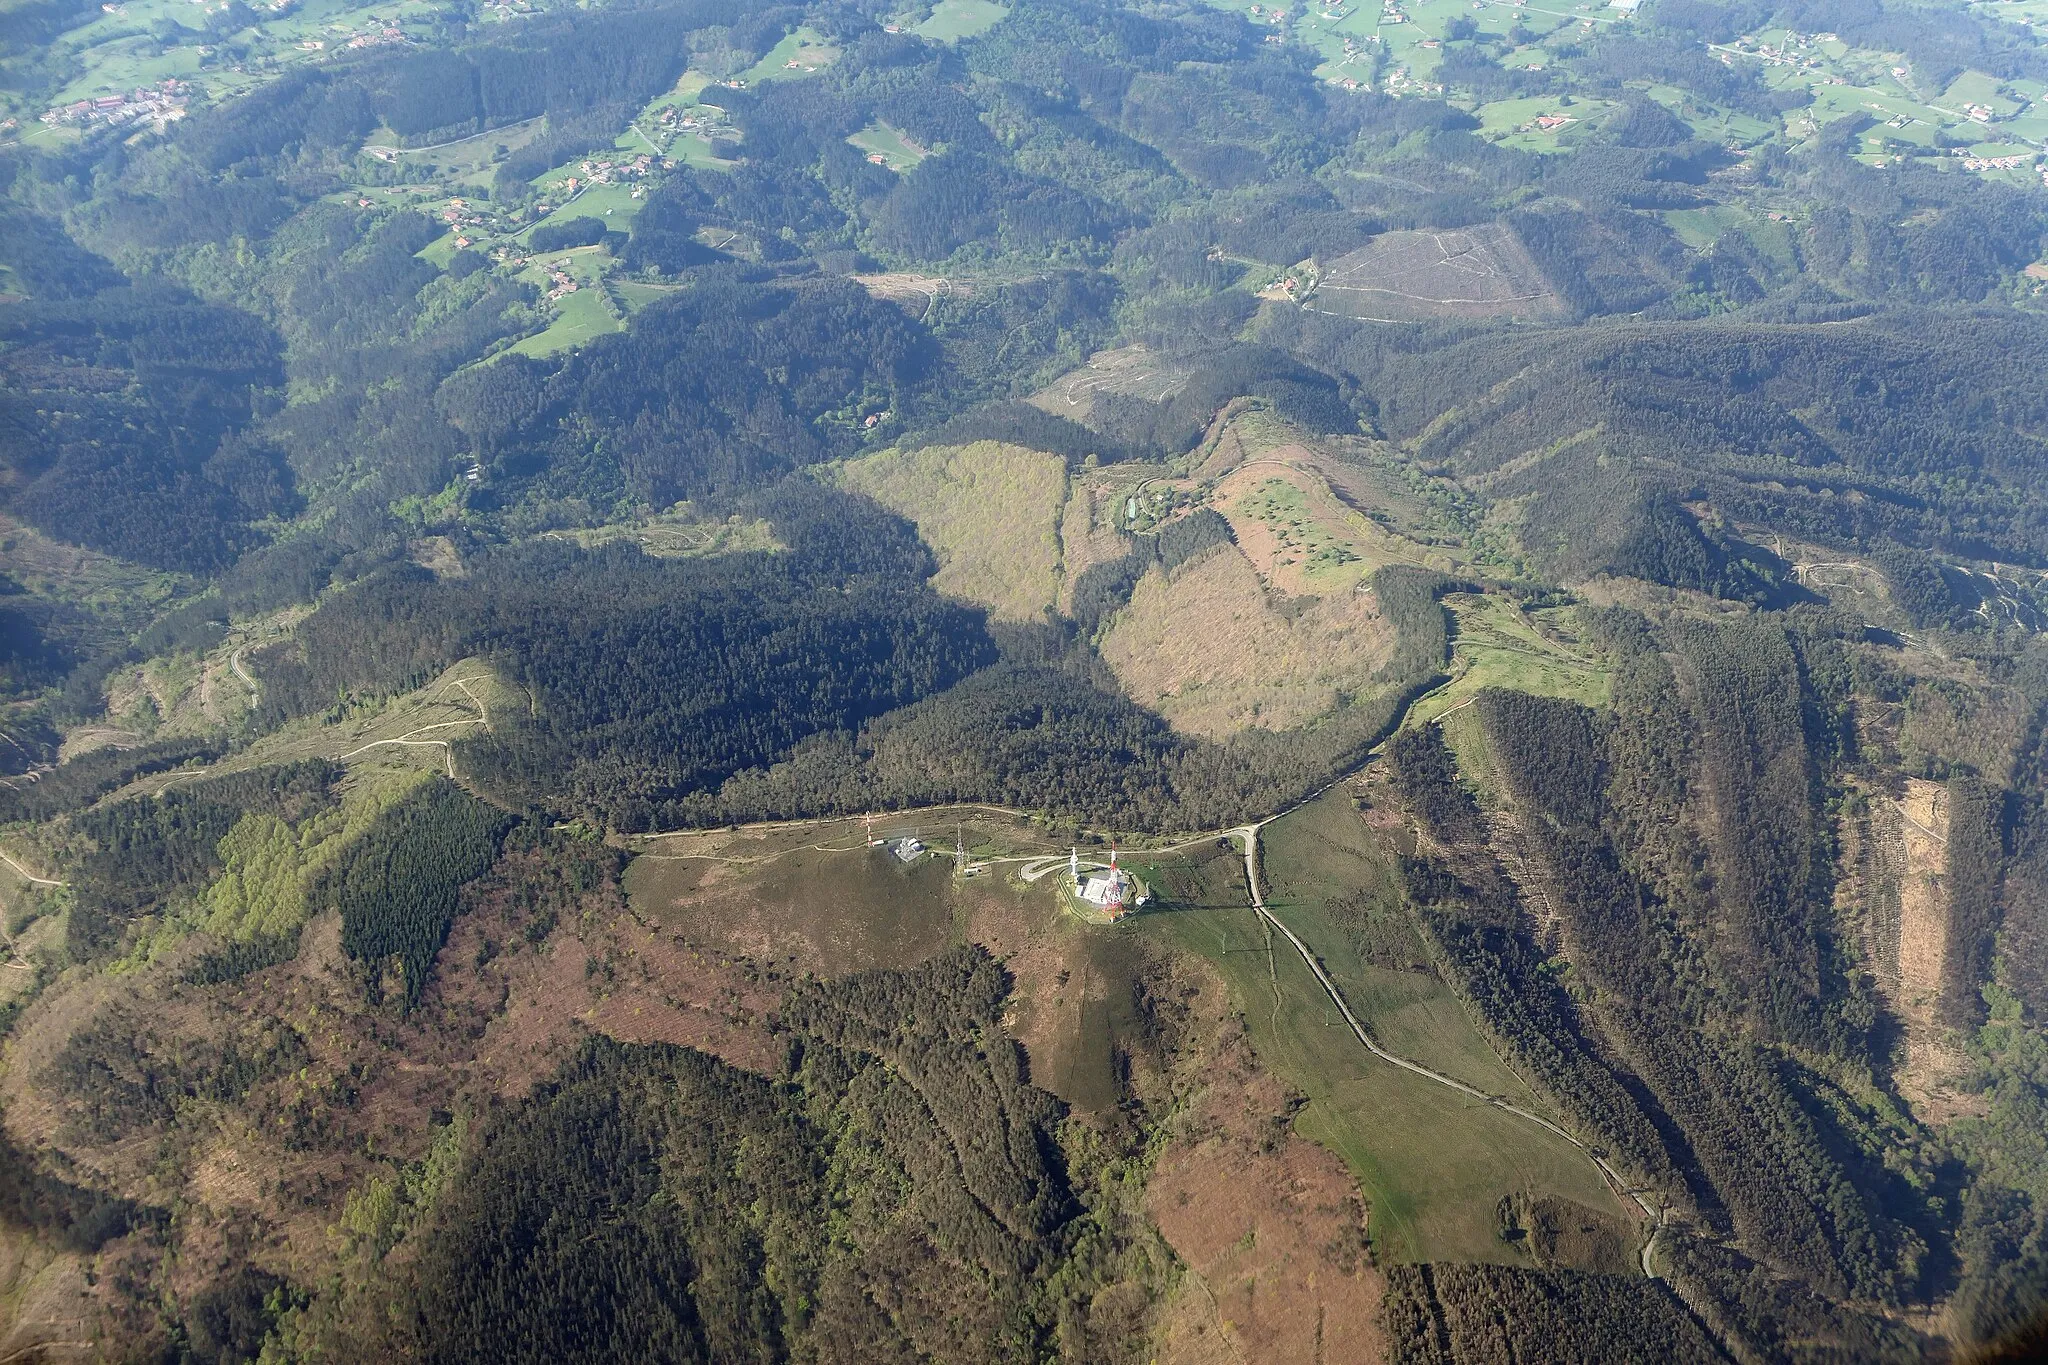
1408,276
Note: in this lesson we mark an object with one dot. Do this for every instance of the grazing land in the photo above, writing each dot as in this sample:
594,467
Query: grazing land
803,52
952,20
1434,1164
896,150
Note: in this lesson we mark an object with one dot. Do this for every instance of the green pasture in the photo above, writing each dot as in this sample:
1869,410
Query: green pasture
952,20
614,205
638,295
898,152
579,317
805,46
1701,227
1432,1162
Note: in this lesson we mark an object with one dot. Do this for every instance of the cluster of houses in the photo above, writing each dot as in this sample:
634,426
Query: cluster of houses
159,105
1401,82
466,219
1999,163
674,120
560,281
613,172
382,37
1352,52
1772,54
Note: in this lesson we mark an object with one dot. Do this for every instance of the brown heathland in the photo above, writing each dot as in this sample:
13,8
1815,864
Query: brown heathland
262,1179
1270,1227
991,513
1209,649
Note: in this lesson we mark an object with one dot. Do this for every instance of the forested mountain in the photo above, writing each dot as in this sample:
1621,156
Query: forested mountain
574,581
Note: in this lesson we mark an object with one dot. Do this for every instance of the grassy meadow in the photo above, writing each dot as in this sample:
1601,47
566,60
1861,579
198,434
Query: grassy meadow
1434,1164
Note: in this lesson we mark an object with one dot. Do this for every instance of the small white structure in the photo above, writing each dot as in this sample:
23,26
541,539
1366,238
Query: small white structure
907,849
1106,891
1113,890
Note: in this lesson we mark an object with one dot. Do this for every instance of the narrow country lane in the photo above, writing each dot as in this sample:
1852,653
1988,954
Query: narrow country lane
1250,835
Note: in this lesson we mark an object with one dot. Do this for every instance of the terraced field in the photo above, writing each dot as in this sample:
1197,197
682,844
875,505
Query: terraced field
1136,371
1497,645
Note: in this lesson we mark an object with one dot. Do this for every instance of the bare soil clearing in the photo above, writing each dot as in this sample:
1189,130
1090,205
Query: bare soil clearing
1409,276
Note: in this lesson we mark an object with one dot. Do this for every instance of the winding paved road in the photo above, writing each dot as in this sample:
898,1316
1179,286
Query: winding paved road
235,663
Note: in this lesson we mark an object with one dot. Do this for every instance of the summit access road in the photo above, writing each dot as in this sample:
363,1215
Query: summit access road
1250,835
1038,865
